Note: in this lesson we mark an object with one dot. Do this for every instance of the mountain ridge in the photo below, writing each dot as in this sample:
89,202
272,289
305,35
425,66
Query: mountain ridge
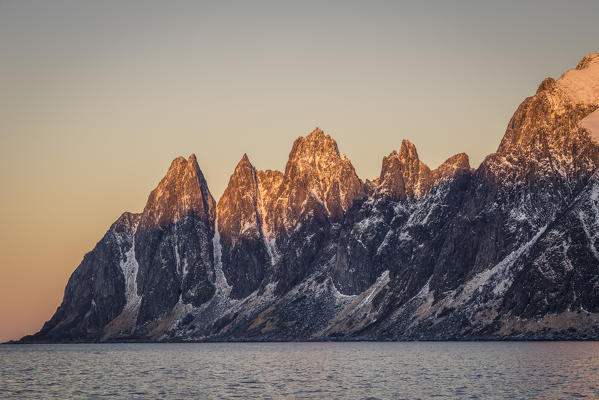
315,253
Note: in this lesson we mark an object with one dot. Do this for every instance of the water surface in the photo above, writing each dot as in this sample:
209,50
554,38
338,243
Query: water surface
440,370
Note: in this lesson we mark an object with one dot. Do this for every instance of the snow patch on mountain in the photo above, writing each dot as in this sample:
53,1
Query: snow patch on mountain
590,223
130,268
591,124
582,83
498,278
362,303
220,281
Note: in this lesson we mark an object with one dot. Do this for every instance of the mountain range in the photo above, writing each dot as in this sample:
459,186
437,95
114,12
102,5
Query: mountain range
509,250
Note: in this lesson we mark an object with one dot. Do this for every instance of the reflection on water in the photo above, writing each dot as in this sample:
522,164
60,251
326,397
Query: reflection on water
446,370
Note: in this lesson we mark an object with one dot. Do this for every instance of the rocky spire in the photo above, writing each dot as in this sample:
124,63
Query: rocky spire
245,255
403,175
173,244
317,171
182,191
237,208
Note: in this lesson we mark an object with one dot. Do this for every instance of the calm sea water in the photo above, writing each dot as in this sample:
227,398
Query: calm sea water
472,370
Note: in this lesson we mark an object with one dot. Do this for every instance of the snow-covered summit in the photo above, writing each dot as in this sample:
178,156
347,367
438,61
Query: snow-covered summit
545,135
582,83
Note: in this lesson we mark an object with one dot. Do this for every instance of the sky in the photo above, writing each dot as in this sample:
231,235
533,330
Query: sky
97,98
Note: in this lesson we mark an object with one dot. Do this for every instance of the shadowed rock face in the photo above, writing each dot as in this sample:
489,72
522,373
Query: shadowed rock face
245,256
95,293
543,162
509,250
560,271
453,167
173,244
403,175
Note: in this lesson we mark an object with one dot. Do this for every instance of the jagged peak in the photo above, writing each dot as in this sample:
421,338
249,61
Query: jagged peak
244,163
543,117
317,142
243,178
317,136
316,169
461,159
403,175
180,165
455,165
582,83
317,132
408,149
315,152
587,60
183,190
177,163
547,84
236,208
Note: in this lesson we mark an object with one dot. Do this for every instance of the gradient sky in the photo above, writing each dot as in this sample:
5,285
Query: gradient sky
96,99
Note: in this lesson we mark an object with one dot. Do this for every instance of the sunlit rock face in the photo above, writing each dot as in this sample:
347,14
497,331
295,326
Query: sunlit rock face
403,176
245,249
507,250
318,176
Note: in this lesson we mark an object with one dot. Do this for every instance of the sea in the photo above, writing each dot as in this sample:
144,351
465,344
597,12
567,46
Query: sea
323,370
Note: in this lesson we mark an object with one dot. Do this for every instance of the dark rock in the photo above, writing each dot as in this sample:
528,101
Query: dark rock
507,251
